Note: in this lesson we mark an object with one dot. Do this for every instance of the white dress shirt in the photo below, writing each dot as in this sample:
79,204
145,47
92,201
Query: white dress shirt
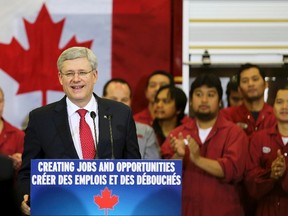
74,120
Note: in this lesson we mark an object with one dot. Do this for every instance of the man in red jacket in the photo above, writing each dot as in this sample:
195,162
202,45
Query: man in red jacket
267,178
254,114
214,155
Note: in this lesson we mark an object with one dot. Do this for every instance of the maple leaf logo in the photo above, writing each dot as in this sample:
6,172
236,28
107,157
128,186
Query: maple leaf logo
106,201
35,68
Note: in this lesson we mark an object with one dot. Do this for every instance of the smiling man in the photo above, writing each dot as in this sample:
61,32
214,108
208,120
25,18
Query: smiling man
54,131
267,179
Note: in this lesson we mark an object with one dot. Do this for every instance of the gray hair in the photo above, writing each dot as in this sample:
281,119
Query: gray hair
77,52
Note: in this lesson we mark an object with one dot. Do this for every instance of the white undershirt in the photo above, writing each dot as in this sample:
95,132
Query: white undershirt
203,133
74,119
285,140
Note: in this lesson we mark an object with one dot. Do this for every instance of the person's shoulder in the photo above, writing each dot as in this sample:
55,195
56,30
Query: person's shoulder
230,129
223,122
266,105
187,126
265,132
230,109
267,108
186,119
47,111
143,127
144,112
233,113
11,128
114,105
143,116
111,102
50,106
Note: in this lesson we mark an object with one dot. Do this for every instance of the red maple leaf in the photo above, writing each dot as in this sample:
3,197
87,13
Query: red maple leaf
35,68
106,201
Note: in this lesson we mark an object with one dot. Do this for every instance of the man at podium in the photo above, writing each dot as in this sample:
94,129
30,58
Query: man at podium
79,126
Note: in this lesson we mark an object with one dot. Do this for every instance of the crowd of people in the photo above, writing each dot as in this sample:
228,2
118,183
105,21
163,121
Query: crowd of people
234,157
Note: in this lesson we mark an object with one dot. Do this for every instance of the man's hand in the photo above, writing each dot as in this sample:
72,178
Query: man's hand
278,166
194,149
17,160
178,145
25,208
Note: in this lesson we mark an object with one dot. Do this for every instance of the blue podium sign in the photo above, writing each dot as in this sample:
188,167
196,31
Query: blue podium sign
106,187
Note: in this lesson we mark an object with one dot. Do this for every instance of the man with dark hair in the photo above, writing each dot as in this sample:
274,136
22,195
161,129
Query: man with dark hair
213,151
267,178
254,114
155,80
233,94
170,103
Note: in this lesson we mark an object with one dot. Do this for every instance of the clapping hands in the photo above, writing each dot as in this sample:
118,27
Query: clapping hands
278,166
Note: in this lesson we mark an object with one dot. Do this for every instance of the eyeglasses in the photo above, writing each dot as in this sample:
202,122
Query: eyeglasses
72,74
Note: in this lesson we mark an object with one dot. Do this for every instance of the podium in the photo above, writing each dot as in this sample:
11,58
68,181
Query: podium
106,187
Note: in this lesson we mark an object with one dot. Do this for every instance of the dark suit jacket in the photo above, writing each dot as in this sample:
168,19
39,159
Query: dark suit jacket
7,187
48,135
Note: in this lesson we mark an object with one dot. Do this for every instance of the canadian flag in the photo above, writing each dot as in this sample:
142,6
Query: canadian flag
129,37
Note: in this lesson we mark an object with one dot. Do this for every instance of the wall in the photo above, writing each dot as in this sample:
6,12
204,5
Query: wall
234,32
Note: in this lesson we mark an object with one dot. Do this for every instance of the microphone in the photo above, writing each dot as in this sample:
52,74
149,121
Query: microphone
93,116
109,117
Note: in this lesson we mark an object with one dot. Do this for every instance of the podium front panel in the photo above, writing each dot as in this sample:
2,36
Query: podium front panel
106,187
